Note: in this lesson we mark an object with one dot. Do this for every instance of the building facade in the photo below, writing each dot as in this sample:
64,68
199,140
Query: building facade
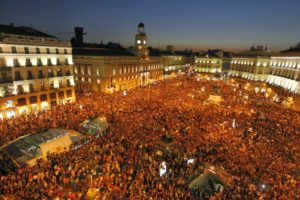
255,68
108,68
36,71
208,64
285,72
107,73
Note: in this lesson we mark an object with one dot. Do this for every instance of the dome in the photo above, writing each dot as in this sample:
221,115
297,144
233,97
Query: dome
141,25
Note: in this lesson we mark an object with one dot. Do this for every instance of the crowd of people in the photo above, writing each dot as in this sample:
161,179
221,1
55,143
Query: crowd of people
254,140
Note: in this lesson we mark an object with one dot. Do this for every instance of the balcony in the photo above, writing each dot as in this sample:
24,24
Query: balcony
51,75
41,76
17,64
30,77
6,80
43,88
28,64
49,63
18,78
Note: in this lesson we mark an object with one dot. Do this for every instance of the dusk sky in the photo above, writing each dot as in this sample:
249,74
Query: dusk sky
226,24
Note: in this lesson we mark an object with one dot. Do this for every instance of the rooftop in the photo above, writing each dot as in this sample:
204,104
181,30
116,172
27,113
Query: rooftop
23,30
101,52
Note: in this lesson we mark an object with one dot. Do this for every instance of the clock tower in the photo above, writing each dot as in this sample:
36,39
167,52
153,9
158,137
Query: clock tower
141,42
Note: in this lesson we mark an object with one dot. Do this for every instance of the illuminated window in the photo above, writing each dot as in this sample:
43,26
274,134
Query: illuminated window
113,72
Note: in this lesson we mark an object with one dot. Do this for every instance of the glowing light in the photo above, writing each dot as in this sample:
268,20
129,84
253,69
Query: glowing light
80,106
44,105
124,93
233,123
190,161
163,168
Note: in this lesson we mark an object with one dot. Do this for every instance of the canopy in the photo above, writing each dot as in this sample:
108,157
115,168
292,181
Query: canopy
27,149
96,126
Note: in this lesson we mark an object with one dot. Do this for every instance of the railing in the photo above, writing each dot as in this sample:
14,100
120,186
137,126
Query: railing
18,78
6,80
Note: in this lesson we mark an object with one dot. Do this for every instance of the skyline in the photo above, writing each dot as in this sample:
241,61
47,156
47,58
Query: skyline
199,25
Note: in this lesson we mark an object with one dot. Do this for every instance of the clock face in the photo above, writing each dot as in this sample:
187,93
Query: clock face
139,41
144,42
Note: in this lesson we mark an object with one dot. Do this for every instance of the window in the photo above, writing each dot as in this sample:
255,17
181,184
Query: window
69,93
60,84
98,71
31,88
13,49
48,50
113,72
43,87
22,101
43,97
59,72
49,62
50,73
20,89
26,50
65,51
3,74
18,76
28,62
1,50
16,63
29,75
56,51
68,72
52,95
66,62
37,50
68,82
58,61
33,99
39,62
61,94
41,74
